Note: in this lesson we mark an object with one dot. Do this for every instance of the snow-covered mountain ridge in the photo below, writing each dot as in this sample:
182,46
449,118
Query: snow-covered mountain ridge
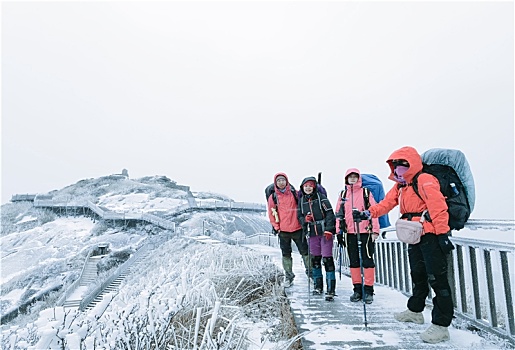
42,249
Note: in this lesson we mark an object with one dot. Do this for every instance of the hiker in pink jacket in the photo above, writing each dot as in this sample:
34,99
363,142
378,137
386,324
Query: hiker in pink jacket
357,197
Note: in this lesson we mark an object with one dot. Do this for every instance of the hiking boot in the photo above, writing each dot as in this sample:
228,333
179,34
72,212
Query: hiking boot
369,298
288,280
355,297
318,291
435,334
409,316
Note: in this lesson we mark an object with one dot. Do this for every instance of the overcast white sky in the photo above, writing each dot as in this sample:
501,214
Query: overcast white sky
222,95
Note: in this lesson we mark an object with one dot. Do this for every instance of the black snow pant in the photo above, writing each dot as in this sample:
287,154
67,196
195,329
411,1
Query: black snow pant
428,264
285,239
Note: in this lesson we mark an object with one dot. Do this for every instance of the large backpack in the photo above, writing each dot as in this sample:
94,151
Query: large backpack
452,170
270,191
371,183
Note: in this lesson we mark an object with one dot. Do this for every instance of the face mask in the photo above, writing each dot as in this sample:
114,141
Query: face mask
399,171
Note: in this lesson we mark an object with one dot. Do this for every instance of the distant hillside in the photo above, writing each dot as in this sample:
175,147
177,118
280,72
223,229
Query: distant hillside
42,249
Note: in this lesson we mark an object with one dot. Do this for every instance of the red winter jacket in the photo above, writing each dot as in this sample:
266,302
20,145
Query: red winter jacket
429,188
286,208
354,199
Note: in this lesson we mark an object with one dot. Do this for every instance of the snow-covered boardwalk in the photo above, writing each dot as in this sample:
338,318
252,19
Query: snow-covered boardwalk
340,324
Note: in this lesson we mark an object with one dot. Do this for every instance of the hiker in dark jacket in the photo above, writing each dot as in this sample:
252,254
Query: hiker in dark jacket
428,258
283,217
368,229
318,222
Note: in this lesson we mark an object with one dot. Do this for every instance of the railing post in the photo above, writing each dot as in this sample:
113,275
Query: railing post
505,270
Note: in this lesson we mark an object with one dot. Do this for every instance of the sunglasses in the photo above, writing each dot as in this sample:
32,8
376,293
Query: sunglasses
402,162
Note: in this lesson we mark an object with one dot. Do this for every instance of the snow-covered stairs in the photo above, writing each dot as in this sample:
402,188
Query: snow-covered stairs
113,287
89,275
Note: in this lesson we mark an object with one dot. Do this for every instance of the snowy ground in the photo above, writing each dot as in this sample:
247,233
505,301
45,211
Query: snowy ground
40,251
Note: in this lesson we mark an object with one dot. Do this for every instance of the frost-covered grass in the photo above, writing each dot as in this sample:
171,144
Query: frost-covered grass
183,295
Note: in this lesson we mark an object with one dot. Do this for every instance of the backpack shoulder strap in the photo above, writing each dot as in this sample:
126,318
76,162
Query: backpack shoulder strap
415,184
294,193
366,195
366,199
274,198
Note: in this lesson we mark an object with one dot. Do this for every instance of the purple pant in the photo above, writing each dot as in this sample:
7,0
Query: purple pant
319,246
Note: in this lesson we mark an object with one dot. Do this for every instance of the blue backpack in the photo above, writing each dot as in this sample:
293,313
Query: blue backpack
371,183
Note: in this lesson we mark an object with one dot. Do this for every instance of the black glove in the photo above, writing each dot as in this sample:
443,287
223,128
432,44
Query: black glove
274,231
341,240
360,215
445,243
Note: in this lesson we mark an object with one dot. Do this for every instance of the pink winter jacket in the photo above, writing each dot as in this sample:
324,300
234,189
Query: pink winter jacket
286,208
354,199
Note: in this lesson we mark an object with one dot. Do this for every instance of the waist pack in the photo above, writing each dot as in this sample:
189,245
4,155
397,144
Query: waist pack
409,231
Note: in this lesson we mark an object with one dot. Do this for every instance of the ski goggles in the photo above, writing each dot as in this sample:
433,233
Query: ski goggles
402,162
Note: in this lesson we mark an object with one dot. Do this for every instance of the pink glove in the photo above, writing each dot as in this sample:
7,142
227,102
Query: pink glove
309,218
328,235
375,236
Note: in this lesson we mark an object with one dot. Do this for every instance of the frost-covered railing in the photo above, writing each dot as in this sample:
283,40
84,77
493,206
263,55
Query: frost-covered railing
75,284
228,205
169,225
258,238
481,276
121,269
108,214
22,197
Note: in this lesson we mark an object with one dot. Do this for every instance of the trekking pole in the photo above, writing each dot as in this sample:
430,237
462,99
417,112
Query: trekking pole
340,252
356,225
309,270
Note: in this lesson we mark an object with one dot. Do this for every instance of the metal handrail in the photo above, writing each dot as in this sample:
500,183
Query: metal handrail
75,284
122,268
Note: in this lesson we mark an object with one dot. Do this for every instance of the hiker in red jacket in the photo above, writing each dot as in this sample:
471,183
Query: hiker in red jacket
283,217
428,258
356,197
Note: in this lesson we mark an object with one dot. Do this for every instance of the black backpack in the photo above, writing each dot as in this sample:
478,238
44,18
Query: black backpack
270,191
452,189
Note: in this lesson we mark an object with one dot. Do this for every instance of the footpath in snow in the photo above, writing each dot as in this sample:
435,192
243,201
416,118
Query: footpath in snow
340,324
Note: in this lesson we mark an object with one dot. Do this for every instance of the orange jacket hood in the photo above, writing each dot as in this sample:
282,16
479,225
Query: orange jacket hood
409,154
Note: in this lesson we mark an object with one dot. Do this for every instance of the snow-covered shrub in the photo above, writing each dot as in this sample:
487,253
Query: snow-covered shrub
114,259
99,229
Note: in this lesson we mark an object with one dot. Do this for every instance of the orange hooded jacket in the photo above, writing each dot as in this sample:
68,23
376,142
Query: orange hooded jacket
429,188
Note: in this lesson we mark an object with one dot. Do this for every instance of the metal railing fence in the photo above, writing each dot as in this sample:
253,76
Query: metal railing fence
481,277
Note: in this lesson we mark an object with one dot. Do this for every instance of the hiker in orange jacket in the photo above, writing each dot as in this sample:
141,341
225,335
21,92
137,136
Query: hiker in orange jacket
428,258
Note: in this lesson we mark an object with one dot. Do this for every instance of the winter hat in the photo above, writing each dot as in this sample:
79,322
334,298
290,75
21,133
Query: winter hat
279,178
310,182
